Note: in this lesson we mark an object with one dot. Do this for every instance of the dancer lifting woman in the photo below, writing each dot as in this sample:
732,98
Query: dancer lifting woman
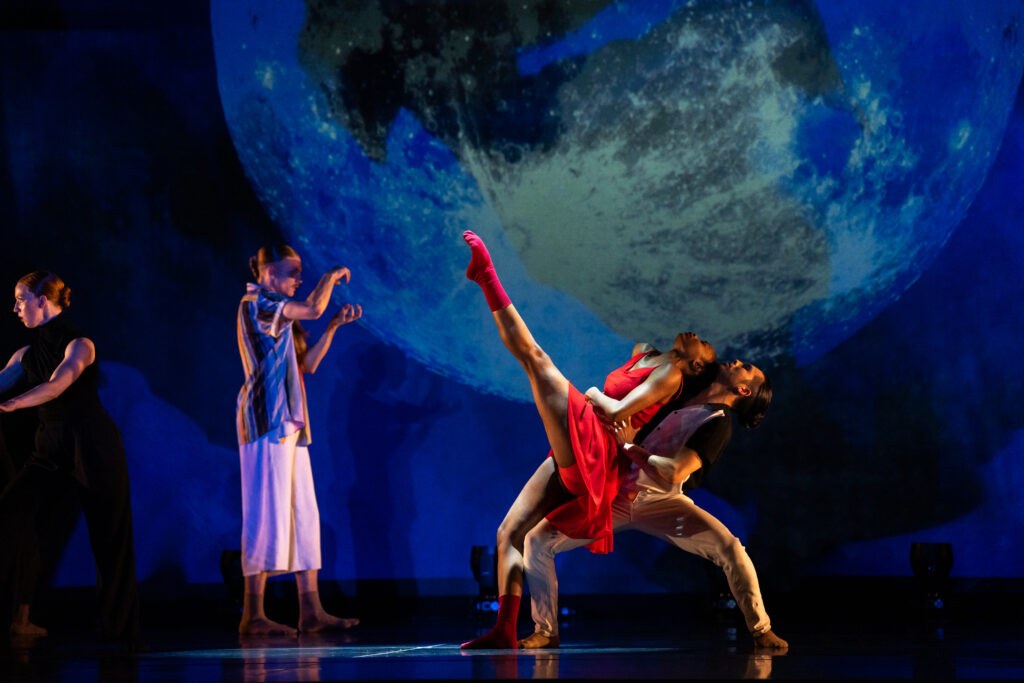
575,486
280,519
77,447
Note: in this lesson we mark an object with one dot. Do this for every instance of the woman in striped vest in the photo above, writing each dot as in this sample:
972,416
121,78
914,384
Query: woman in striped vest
280,520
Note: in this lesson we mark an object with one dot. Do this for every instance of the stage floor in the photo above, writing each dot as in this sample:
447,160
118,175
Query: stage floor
657,647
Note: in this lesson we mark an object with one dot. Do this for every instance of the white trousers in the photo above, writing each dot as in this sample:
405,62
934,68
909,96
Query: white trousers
673,517
280,519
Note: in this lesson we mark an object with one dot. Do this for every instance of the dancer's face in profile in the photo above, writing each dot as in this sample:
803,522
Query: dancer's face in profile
695,353
31,309
742,377
285,276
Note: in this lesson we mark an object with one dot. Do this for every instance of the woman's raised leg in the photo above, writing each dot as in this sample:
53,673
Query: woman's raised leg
550,388
543,492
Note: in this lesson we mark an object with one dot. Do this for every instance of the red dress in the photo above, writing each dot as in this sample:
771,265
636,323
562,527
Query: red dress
601,467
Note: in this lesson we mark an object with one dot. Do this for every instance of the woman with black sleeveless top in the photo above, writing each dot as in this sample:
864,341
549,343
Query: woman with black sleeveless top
77,446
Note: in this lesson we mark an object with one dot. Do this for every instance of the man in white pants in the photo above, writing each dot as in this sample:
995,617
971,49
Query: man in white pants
678,450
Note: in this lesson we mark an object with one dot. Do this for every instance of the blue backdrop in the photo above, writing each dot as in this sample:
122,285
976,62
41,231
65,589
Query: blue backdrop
118,171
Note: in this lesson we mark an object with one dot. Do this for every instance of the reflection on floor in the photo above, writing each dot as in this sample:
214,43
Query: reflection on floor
638,644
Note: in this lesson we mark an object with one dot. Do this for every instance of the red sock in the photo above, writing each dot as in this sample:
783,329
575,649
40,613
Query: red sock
503,635
481,271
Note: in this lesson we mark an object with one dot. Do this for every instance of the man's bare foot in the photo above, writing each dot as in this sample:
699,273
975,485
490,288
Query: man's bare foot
27,629
537,641
768,640
325,622
264,627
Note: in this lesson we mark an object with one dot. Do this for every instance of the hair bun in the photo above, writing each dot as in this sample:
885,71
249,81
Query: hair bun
45,283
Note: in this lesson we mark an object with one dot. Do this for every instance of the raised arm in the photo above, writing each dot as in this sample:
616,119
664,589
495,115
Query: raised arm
13,371
316,352
672,470
78,355
659,386
316,303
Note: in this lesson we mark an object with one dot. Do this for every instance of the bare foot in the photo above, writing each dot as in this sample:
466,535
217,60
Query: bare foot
264,627
769,640
325,622
27,629
537,641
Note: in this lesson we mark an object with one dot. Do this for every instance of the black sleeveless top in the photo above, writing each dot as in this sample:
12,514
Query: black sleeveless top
80,400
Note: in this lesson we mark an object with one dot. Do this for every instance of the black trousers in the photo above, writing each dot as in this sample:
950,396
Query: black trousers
83,458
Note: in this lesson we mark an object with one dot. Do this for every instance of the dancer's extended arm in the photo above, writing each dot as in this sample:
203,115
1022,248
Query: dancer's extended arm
316,352
316,303
78,355
671,470
659,386
13,371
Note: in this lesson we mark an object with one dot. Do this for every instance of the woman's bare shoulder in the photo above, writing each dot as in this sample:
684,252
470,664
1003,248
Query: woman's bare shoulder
643,347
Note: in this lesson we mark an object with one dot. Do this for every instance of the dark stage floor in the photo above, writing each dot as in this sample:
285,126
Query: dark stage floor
655,640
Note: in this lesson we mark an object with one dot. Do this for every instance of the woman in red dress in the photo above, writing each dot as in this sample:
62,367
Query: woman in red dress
573,487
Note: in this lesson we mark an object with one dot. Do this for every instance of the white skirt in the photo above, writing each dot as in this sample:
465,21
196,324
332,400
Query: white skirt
280,519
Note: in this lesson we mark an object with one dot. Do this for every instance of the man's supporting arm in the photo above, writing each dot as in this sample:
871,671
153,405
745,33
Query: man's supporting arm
672,471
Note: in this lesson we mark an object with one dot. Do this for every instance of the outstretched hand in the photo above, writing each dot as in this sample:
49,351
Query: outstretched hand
347,314
7,407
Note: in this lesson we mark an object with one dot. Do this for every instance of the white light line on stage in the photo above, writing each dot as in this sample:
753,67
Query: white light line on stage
394,652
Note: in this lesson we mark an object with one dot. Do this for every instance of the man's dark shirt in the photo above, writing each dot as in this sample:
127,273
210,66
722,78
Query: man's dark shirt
708,441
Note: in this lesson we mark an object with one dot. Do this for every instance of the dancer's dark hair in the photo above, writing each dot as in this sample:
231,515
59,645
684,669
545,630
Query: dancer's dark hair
272,253
45,283
702,380
750,410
